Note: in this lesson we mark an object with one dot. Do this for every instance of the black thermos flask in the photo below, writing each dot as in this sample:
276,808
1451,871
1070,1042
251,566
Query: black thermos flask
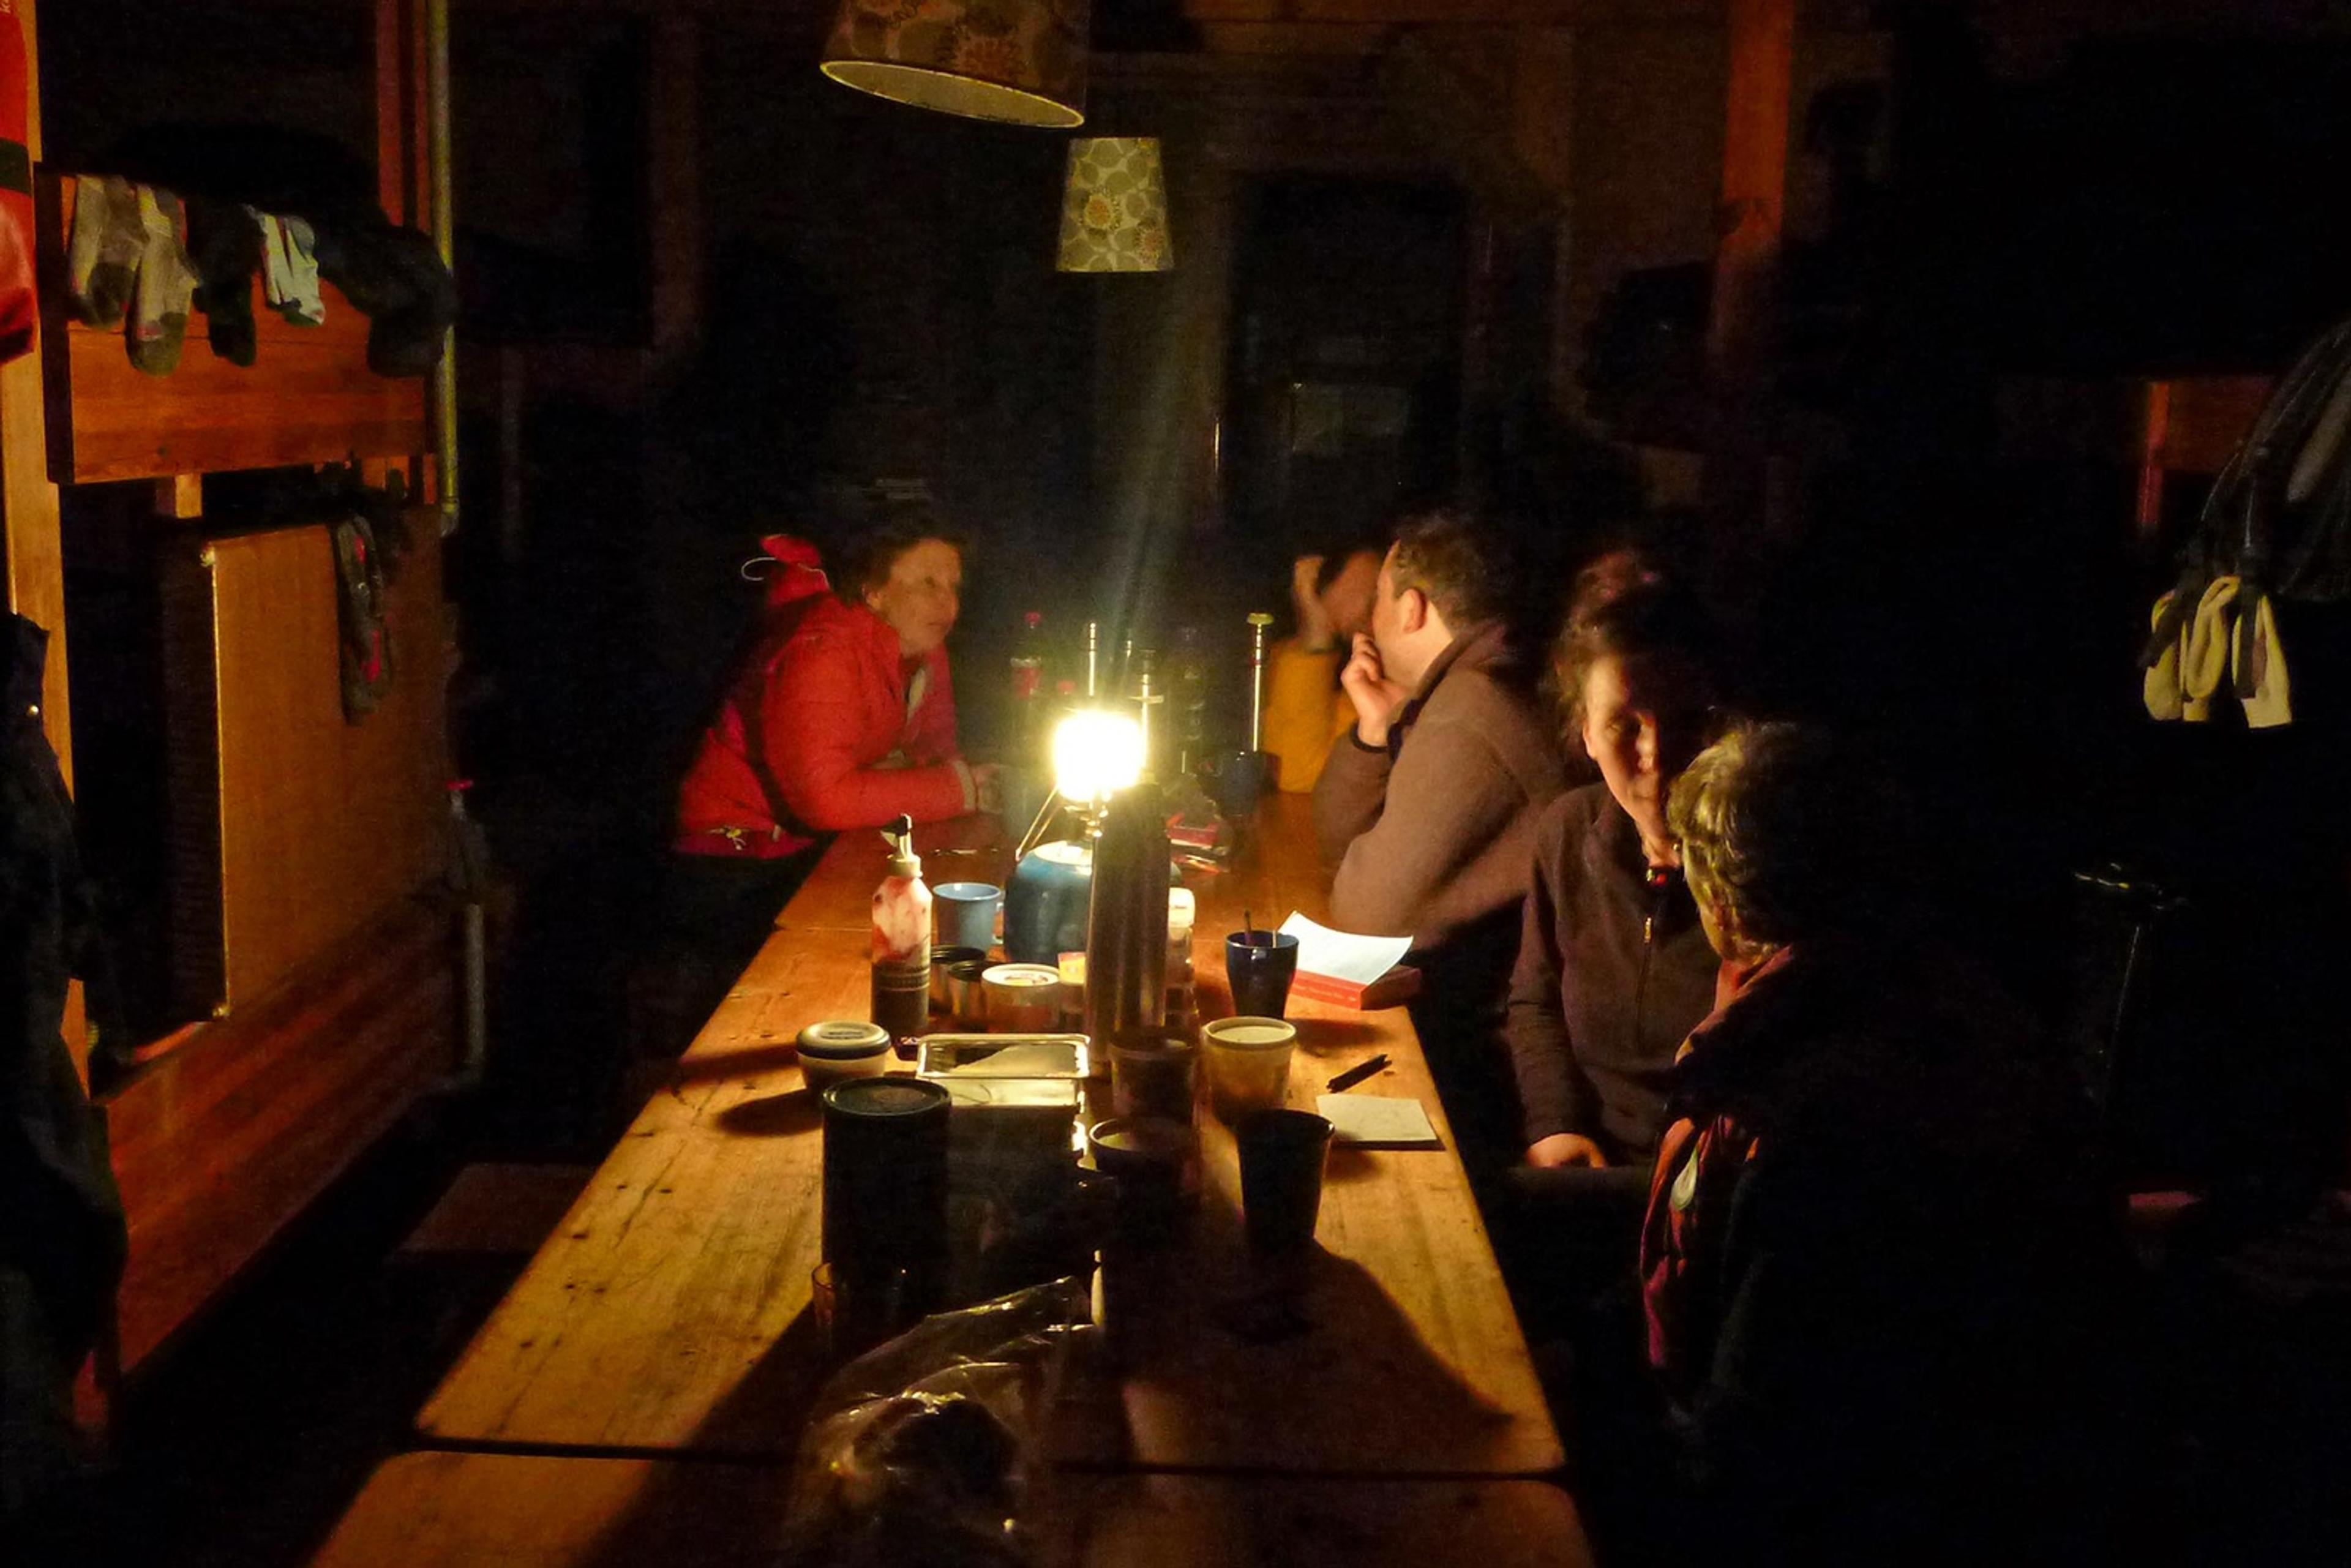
885,1190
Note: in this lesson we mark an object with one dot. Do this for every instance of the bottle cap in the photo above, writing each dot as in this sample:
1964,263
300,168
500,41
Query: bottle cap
903,861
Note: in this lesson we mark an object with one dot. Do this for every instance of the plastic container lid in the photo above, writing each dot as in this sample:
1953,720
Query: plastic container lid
844,1039
1016,975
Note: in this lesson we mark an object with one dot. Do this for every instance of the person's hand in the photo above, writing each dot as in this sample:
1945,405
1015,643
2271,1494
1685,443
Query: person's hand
1314,628
988,786
1376,698
1561,1149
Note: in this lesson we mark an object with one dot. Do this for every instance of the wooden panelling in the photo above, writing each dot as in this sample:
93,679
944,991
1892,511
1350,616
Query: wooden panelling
218,1145
321,823
309,398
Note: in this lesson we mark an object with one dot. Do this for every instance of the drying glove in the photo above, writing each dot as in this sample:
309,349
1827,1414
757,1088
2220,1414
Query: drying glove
2162,684
395,278
2260,667
2204,660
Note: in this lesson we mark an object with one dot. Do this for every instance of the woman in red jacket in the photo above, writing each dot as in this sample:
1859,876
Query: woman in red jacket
841,717
844,715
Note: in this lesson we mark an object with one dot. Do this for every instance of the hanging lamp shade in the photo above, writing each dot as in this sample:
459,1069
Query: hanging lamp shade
1019,61
1114,207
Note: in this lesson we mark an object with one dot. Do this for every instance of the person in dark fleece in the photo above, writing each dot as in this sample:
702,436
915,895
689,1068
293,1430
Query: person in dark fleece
1612,969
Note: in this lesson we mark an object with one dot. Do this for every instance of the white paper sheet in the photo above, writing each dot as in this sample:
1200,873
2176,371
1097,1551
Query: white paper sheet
1378,1120
1343,954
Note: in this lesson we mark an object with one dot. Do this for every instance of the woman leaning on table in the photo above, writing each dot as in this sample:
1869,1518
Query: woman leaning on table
840,715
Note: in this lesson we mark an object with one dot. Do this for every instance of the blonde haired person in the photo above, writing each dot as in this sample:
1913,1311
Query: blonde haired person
1876,1264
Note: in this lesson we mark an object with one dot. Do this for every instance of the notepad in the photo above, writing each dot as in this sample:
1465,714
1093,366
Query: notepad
1348,970
1378,1122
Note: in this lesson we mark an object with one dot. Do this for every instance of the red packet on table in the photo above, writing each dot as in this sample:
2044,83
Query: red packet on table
1366,973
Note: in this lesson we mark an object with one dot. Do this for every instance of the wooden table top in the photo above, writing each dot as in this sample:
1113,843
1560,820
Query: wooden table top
513,1511
668,1314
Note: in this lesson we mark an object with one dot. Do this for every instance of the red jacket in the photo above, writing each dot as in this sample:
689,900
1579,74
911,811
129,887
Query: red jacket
819,733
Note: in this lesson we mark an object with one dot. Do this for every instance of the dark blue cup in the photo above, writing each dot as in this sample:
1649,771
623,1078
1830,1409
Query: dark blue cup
1260,965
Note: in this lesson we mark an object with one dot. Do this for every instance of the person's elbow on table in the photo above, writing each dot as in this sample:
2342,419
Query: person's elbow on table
872,796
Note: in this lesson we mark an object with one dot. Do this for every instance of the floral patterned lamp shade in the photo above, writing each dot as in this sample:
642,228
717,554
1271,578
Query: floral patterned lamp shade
1019,61
1114,207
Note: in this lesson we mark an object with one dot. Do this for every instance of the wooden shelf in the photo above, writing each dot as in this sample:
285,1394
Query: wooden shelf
309,396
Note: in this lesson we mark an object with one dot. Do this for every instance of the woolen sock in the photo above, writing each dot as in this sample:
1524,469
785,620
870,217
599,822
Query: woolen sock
224,242
291,266
102,256
167,283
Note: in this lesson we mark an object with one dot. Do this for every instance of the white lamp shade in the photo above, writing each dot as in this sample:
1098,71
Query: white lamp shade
1019,61
1114,207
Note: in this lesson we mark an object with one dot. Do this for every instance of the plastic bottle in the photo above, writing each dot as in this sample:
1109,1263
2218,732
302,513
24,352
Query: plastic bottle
1187,701
902,939
1028,685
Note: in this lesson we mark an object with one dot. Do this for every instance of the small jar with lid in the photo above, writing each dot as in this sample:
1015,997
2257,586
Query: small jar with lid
843,1048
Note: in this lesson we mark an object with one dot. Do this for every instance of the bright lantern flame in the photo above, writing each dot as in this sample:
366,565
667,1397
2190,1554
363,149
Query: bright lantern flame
1096,755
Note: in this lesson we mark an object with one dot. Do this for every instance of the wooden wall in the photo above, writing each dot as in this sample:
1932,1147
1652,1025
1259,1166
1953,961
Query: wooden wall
224,1141
295,826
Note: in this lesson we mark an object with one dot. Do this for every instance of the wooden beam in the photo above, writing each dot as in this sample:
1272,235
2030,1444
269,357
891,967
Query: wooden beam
674,169
1754,185
180,496
1740,330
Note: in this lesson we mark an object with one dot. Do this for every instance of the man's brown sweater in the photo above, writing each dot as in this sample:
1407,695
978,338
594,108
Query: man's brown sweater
1435,830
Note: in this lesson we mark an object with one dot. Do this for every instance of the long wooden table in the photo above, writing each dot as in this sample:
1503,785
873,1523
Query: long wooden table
668,1314
667,1319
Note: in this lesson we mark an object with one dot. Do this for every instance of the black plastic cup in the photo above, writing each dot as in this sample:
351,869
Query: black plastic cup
1282,1155
1260,965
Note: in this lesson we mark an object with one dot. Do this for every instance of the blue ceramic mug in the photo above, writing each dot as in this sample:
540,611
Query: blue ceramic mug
965,913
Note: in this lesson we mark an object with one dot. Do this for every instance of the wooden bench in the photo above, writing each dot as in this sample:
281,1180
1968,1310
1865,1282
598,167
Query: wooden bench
504,1511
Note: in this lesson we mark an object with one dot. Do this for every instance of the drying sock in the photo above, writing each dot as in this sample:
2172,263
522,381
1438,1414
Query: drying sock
224,242
167,283
102,258
291,266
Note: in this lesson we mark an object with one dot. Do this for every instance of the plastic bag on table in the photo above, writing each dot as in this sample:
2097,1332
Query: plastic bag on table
921,1451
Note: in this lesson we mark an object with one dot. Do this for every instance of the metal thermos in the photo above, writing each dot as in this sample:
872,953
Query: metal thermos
1126,929
1259,621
